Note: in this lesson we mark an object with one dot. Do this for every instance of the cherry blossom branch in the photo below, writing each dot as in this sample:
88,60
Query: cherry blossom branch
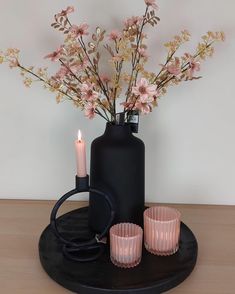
93,69
79,77
118,75
96,73
56,89
45,81
135,59
100,114
69,69
184,67
164,66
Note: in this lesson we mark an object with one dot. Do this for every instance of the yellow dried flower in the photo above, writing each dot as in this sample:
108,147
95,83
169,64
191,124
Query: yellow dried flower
186,35
222,36
28,82
178,40
210,51
147,75
163,91
155,103
125,77
41,72
105,103
76,103
12,52
59,97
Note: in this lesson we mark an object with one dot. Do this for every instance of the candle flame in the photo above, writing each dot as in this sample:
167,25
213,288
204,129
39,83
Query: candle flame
79,135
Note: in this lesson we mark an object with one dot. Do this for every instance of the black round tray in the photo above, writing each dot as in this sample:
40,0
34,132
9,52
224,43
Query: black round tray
155,274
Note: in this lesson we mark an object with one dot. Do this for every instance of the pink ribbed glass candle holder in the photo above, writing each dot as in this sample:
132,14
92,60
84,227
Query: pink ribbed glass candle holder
161,230
126,245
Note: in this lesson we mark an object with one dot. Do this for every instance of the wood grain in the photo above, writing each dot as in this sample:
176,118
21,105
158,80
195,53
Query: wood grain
21,223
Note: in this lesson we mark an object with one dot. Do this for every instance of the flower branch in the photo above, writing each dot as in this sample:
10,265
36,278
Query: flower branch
79,77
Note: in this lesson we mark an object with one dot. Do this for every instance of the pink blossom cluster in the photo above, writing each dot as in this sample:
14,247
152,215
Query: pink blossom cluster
79,77
79,31
65,12
144,95
151,3
175,67
114,35
89,96
55,56
133,21
193,65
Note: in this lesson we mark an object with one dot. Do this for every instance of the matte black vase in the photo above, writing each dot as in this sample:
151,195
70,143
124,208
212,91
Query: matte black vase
117,168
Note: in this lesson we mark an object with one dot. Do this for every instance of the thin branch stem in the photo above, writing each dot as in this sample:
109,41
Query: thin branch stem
135,59
45,82
99,113
68,68
163,68
94,70
183,68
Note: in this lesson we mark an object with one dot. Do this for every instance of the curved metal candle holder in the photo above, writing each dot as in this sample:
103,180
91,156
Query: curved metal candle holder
95,245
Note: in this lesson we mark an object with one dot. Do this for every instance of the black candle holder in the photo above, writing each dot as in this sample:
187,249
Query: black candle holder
74,249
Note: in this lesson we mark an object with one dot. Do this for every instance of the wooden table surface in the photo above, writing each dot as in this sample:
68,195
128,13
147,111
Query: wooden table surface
21,223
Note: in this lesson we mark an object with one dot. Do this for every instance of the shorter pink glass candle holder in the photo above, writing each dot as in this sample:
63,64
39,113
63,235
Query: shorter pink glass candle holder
126,245
161,230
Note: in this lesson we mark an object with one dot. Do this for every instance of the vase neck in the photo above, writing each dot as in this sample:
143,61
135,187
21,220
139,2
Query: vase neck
117,131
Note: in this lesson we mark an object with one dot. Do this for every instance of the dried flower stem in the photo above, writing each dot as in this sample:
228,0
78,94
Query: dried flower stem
69,69
45,81
135,60
93,69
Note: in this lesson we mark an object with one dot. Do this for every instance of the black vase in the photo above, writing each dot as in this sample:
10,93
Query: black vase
118,169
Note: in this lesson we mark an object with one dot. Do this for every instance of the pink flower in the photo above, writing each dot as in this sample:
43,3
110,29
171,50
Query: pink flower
133,21
79,31
146,105
151,3
146,95
128,105
143,107
142,52
144,90
68,10
55,56
90,108
193,65
114,35
88,93
174,68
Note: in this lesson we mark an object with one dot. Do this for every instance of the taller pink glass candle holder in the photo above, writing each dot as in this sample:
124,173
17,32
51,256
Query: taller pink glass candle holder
161,230
126,245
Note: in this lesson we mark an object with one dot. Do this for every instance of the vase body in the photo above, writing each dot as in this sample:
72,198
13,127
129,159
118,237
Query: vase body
118,169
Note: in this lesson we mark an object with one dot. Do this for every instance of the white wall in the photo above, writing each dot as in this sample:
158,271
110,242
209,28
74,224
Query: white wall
190,138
